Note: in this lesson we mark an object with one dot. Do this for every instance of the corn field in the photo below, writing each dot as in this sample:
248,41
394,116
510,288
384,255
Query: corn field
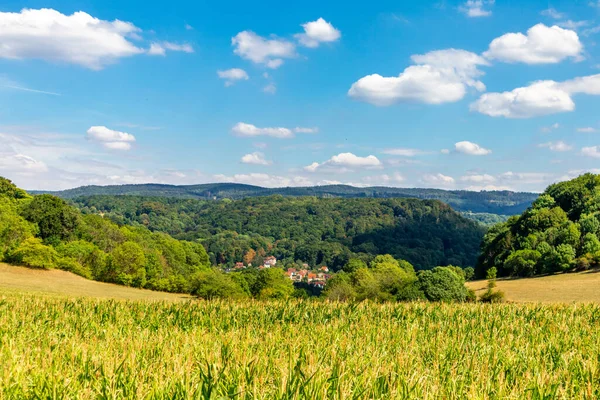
58,348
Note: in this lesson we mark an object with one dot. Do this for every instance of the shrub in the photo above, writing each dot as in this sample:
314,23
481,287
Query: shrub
442,284
491,296
33,253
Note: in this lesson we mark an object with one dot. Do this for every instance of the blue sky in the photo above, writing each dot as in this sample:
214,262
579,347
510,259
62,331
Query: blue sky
477,95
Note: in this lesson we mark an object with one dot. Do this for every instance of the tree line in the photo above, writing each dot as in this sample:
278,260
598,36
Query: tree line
311,230
558,233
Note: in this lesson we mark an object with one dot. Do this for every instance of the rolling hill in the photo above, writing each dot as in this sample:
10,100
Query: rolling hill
492,202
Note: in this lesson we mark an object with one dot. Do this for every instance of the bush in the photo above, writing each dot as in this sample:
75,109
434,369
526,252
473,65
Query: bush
442,284
33,253
411,292
71,265
491,296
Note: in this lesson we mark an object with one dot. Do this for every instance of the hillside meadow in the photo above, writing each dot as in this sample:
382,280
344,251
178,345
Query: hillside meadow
85,348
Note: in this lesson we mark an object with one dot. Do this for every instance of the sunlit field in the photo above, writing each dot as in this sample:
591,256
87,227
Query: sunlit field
88,348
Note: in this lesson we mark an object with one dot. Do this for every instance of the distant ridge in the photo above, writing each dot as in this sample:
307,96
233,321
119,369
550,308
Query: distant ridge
493,202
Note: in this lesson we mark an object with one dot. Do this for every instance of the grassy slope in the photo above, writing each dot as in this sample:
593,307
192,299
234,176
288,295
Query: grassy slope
562,288
55,282
580,287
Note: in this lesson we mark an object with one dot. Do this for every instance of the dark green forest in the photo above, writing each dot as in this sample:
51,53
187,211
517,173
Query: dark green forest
317,231
492,202
558,233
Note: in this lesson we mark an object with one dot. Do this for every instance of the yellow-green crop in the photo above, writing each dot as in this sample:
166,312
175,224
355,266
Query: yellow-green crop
53,348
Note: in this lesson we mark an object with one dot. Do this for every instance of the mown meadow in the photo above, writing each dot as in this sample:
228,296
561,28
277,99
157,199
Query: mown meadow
61,348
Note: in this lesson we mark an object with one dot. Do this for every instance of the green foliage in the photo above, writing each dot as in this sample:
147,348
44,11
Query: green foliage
33,253
557,234
442,284
9,190
272,283
92,246
214,284
523,263
127,265
55,218
317,231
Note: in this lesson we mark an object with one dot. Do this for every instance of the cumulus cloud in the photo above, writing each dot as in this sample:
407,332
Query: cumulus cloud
538,99
440,76
160,48
558,146
471,148
317,32
478,178
541,45
592,151
256,158
404,152
269,52
248,130
78,38
344,162
437,179
476,8
231,76
109,138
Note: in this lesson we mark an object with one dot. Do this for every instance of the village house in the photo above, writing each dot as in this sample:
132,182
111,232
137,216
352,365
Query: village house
270,262
239,265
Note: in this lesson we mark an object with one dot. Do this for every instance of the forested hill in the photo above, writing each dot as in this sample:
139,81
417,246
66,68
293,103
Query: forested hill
494,202
318,231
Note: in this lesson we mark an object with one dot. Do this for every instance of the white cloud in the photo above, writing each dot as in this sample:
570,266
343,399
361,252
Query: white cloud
248,130
78,38
231,76
344,162
541,45
573,25
593,151
317,32
384,179
21,164
445,151
264,180
471,148
475,8
441,76
478,178
587,129
270,88
109,138
539,98
437,179
300,129
559,146
160,48
552,13
404,152
256,158
269,52
547,129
